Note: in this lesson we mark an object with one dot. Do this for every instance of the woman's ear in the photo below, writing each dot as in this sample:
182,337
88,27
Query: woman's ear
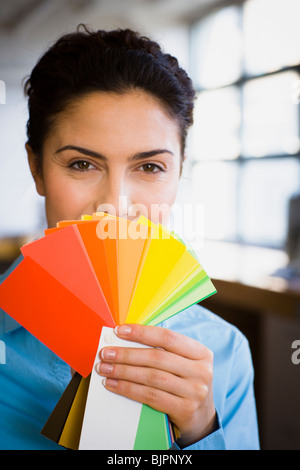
35,170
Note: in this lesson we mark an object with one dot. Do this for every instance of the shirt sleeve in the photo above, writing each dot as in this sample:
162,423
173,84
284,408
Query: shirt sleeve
239,420
237,428
214,441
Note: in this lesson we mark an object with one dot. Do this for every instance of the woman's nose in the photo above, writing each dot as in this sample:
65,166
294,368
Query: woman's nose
115,198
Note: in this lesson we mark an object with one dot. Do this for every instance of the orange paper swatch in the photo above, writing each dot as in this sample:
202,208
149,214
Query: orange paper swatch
64,256
96,251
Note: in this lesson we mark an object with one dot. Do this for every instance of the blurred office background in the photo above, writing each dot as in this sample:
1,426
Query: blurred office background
243,162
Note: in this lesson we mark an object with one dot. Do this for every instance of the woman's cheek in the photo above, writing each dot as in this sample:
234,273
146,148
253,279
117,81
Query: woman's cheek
64,200
158,203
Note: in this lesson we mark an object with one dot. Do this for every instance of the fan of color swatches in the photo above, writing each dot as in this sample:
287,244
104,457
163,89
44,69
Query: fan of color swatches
85,277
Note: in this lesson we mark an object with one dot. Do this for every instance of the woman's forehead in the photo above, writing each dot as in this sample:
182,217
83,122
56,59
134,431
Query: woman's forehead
110,119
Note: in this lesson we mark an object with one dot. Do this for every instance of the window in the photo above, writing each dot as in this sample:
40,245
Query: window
245,143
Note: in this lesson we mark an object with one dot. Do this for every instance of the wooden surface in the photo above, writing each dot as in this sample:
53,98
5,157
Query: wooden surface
262,300
246,278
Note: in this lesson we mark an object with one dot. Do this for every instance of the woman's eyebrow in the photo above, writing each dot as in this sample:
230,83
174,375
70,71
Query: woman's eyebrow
149,154
84,151
137,156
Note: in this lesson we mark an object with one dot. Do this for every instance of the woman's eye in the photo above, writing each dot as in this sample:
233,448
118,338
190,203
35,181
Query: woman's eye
82,165
151,168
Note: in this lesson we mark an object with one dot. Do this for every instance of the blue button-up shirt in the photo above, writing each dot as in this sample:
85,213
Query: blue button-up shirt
32,379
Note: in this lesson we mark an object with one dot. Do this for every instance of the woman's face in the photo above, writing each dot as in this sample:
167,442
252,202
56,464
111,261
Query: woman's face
110,151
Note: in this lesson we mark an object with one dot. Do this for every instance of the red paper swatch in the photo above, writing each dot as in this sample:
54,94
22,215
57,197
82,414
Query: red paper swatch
56,316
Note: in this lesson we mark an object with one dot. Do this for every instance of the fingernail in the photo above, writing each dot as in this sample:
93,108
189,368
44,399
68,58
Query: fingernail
104,368
109,383
123,330
108,353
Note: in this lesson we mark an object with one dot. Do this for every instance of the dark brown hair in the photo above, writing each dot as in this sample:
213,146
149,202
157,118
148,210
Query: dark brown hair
111,61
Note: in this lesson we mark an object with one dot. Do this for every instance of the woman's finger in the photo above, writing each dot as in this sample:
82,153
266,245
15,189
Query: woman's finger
148,376
156,358
163,338
153,397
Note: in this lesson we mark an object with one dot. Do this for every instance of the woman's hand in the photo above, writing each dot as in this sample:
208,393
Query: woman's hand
174,376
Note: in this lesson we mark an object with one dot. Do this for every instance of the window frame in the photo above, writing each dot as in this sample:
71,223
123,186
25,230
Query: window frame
244,78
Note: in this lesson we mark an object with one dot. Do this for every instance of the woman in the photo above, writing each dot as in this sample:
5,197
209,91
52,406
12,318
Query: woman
108,118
